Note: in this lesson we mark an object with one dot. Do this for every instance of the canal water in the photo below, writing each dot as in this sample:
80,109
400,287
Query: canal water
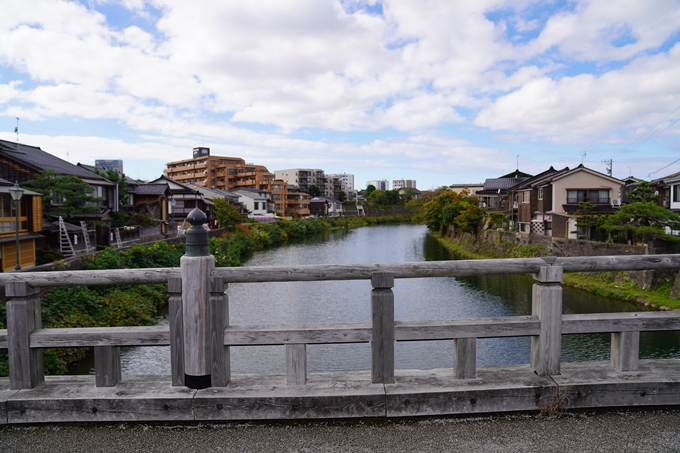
415,299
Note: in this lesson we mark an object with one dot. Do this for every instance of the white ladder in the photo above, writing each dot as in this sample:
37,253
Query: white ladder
86,236
119,243
65,245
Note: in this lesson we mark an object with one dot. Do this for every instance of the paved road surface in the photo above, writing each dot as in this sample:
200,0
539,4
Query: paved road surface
613,431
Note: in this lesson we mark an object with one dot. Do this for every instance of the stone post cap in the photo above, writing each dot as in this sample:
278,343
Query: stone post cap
197,236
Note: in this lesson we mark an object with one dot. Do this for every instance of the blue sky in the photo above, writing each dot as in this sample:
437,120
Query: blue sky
438,91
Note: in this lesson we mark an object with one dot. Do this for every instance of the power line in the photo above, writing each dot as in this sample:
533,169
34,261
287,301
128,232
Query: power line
653,132
657,171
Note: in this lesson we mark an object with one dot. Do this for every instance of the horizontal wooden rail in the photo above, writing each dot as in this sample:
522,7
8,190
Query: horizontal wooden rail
101,336
621,322
360,332
253,274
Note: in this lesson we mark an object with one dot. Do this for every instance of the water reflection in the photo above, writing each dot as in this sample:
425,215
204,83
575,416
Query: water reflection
415,299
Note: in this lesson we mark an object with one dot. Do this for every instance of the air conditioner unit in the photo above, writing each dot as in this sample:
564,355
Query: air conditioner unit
616,203
515,205
482,205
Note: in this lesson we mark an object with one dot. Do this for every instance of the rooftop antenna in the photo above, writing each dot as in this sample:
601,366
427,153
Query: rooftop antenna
630,172
16,131
583,157
518,161
609,166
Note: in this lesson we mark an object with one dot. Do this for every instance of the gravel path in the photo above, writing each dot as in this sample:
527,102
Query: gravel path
611,431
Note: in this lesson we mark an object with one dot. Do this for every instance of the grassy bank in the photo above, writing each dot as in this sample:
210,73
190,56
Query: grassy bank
608,284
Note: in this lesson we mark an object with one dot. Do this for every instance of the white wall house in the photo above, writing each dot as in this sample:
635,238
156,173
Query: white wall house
256,203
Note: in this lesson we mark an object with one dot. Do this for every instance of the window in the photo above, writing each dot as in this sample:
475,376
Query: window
593,196
540,193
676,193
526,197
257,205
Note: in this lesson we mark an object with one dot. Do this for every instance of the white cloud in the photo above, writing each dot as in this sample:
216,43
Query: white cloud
214,69
585,107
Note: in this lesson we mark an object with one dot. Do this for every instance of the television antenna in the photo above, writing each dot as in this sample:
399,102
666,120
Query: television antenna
609,166
583,155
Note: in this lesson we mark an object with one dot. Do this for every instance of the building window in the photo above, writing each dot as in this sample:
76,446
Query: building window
540,193
676,193
526,198
592,196
257,205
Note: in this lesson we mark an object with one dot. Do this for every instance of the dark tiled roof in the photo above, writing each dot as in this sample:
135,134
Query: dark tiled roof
37,159
661,180
501,183
151,189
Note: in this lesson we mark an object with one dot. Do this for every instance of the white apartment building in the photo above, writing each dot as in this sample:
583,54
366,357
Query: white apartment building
379,185
403,184
305,177
347,180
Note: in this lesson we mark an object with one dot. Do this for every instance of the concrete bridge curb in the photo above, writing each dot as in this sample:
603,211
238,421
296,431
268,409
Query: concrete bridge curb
69,399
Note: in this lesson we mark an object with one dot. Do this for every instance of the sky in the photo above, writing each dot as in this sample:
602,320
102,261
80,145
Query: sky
440,91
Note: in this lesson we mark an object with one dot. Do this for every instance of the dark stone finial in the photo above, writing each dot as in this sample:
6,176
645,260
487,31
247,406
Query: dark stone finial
197,236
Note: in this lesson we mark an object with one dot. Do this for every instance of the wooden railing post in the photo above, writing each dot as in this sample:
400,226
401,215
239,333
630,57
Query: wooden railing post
195,268
23,317
176,331
219,307
465,358
382,343
107,366
546,304
625,352
296,364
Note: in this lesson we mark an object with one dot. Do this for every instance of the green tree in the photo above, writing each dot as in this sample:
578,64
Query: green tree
66,196
643,220
313,191
342,196
369,190
450,208
378,198
643,193
393,197
227,214
587,217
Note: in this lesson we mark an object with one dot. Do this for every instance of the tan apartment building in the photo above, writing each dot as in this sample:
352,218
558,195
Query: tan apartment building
219,172
289,200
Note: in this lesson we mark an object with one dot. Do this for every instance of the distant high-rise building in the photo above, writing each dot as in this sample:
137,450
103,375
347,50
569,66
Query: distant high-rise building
379,185
403,184
105,164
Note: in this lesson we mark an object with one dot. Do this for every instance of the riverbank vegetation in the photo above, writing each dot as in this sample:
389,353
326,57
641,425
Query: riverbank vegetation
455,219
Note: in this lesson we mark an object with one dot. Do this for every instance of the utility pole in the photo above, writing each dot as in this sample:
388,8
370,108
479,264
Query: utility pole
609,166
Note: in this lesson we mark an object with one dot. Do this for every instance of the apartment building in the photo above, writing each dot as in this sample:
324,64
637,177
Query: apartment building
288,200
398,184
219,172
346,180
305,177
379,185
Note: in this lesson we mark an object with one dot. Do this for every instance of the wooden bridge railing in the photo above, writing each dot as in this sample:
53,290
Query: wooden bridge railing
199,333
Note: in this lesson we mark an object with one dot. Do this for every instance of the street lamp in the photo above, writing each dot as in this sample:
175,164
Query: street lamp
173,202
16,193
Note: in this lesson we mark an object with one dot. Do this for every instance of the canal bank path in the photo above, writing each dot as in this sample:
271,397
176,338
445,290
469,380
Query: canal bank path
605,431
